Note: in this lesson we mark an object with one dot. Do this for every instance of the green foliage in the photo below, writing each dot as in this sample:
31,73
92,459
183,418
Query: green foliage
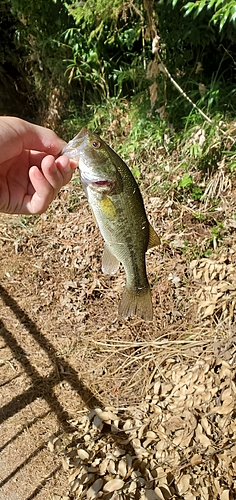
38,25
105,48
98,52
35,61
86,12
216,231
221,11
200,55
224,10
231,155
216,236
187,184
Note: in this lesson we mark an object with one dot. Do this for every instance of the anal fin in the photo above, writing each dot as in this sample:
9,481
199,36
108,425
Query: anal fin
110,264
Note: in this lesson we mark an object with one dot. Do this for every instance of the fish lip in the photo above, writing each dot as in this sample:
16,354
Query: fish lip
96,182
74,147
86,179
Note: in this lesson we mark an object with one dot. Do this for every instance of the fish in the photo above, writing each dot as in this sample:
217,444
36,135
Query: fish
117,205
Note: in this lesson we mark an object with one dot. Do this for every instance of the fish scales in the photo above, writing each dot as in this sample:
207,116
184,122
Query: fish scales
118,208
122,242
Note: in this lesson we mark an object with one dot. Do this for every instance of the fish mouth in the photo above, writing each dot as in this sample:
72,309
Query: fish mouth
91,178
73,147
97,183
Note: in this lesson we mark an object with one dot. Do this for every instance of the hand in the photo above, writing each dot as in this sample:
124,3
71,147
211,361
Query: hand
30,172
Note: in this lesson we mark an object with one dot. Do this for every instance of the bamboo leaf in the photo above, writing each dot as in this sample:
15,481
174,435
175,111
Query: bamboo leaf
189,7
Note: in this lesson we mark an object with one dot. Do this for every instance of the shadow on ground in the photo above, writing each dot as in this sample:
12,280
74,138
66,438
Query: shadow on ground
40,387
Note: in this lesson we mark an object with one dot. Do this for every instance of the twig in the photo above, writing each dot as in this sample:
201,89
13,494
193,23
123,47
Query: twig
164,70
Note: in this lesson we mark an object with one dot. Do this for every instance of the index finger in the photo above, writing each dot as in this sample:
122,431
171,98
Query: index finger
17,135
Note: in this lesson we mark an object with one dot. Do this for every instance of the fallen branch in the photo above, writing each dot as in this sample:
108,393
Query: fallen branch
164,70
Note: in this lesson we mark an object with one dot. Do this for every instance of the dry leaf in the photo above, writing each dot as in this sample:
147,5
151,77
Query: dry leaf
225,495
201,437
196,459
174,423
84,455
191,411
122,468
183,484
95,488
113,485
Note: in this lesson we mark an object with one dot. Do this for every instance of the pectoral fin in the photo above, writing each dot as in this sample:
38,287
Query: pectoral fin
154,239
110,264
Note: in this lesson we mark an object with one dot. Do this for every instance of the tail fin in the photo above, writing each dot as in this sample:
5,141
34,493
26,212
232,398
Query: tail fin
132,304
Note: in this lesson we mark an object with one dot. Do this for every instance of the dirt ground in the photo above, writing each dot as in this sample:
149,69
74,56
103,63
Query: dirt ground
64,352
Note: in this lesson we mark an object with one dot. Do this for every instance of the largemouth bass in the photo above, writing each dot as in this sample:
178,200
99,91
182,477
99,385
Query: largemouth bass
118,208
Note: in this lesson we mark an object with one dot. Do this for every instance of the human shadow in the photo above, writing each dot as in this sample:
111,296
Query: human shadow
42,386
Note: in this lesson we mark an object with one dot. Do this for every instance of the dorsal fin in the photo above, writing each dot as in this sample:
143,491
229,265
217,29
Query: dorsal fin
154,239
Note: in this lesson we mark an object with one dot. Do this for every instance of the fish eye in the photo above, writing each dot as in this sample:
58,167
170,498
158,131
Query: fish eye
96,144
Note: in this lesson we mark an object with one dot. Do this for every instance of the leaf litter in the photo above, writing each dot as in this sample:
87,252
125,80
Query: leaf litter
166,428
180,442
